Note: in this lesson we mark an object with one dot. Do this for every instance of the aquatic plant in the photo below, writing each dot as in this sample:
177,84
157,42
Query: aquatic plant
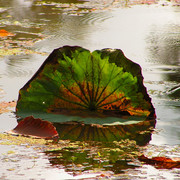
75,81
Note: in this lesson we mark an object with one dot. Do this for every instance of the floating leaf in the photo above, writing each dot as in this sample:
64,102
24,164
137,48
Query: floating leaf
36,128
72,80
90,96
17,51
4,33
6,106
11,51
161,162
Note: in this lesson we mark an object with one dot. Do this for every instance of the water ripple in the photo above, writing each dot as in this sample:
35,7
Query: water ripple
17,68
95,18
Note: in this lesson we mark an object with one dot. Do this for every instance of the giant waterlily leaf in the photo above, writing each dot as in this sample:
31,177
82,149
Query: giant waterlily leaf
36,128
75,81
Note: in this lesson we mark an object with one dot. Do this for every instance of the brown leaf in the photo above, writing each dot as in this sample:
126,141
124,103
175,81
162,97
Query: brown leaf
38,128
161,162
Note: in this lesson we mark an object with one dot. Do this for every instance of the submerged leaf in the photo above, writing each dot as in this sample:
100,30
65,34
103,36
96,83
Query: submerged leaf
72,80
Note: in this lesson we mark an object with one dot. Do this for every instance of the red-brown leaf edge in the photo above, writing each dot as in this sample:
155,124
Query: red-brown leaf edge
37,128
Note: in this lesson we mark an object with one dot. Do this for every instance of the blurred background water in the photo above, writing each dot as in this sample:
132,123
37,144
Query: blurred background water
147,34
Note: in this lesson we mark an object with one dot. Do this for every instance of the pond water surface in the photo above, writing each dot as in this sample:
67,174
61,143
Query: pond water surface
148,35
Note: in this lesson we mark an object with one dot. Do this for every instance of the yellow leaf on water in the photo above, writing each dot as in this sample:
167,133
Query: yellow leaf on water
10,152
16,23
17,51
6,52
11,169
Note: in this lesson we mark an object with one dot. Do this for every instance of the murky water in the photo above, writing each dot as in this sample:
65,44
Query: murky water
147,34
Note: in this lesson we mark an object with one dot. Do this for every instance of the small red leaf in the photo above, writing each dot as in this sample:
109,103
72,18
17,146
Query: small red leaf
161,162
38,128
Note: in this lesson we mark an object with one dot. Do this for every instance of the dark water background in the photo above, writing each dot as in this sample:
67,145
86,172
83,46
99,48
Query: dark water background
147,34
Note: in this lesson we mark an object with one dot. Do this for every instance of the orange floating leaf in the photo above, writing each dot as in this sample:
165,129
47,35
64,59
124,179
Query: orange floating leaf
4,33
